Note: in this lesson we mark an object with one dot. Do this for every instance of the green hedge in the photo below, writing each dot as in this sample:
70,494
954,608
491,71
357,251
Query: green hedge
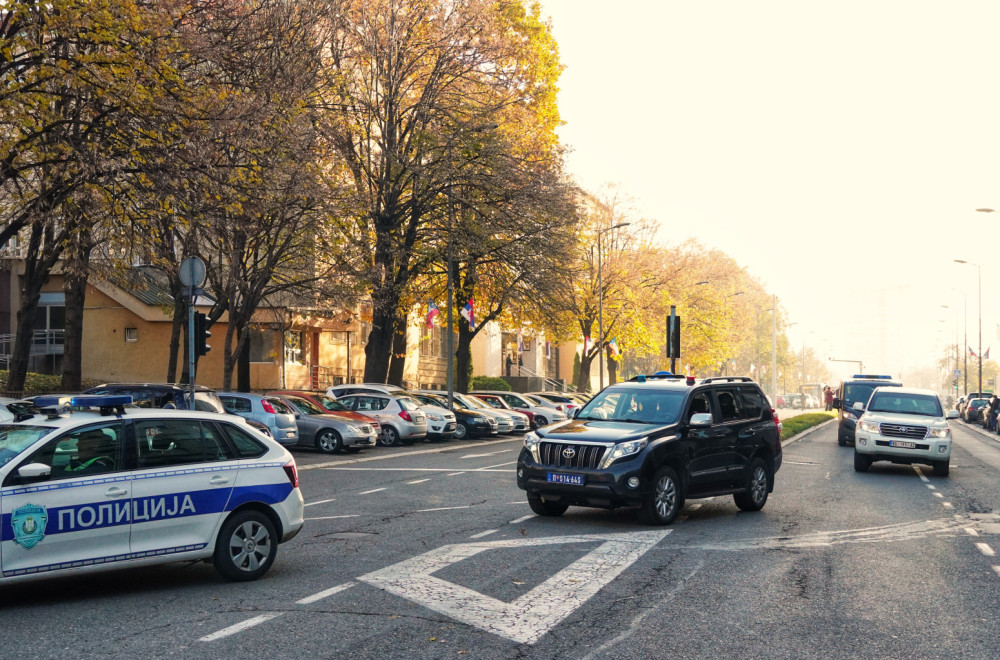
489,383
800,423
44,384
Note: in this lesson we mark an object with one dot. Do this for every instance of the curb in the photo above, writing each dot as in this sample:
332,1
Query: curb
802,434
976,428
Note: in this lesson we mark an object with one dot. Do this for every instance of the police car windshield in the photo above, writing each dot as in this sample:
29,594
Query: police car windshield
15,438
909,404
641,406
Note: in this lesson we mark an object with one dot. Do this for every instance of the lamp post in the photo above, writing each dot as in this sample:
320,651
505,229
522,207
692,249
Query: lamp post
979,355
725,306
600,302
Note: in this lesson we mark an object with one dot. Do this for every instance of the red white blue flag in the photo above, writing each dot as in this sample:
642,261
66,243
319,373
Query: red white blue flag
468,313
432,311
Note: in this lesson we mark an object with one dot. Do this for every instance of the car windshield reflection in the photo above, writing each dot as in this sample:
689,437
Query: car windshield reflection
639,406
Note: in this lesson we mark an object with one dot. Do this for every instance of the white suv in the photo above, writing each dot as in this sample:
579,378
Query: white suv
100,486
903,425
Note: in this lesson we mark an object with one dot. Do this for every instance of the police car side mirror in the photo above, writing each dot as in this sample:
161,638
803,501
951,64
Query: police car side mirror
860,407
701,419
34,472
836,402
953,414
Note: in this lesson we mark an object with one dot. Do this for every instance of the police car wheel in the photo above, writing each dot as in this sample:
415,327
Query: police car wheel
328,442
246,546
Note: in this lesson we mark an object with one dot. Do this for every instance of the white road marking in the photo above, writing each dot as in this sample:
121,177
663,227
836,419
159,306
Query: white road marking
522,518
382,457
454,474
444,508
332,517
415,469
946,504
323,594
374,490
827,475
492,453
996,569
320,502
418,481
489,468
937,495
971,532
528,618
232,630
986,549
694,507
931,486
482,534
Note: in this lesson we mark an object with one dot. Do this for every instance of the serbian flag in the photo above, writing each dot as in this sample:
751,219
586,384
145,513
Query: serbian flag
432,311
613,345
468,313
972,353
586,344
520,343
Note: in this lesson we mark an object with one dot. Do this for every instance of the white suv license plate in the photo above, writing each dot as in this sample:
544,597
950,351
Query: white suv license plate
569,479
902,444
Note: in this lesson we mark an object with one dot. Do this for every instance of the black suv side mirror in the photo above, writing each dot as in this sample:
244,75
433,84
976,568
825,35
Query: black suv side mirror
701,419
836,402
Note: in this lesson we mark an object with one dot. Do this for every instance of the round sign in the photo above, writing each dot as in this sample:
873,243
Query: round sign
192,272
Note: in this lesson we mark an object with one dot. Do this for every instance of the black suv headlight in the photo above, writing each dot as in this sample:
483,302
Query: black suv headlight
623,449
531,442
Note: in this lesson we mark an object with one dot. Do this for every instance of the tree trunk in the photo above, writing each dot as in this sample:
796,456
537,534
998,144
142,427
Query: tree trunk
379,346
75,287
583,379
243,368
397,364
177,326
612,370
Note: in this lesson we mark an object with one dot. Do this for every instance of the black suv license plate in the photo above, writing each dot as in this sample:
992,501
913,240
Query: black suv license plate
570,479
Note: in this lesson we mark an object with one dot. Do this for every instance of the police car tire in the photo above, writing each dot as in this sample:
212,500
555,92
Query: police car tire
328,441
841,440
861,462
941,468
238,565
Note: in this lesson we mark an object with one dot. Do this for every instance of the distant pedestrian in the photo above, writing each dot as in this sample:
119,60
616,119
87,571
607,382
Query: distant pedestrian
828,397
509,364
520,364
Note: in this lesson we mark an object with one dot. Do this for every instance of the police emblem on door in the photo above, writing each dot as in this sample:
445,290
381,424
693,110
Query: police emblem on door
29,523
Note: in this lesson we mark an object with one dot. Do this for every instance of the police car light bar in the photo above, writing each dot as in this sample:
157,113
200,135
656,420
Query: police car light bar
874,376
57,405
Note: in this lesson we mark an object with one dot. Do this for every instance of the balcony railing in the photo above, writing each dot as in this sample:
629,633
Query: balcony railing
43,342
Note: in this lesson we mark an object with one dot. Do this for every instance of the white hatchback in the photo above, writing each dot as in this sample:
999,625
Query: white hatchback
106,486
903,425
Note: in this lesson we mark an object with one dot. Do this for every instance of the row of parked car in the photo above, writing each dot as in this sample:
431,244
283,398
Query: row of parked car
351,417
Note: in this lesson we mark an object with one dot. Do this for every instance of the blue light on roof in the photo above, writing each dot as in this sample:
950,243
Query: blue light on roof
100,401
49,401
874,376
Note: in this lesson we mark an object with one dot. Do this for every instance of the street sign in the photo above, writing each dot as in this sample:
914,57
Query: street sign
957,373
192,272
526,619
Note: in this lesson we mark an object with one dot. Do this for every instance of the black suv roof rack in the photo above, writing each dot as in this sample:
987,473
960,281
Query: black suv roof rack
728,379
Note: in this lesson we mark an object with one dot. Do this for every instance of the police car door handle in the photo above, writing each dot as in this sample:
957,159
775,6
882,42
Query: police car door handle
115,491
218,480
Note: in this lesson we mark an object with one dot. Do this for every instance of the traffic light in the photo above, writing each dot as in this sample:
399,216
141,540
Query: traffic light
201,334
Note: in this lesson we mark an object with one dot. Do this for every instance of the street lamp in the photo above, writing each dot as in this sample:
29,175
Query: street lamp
979,270
600,302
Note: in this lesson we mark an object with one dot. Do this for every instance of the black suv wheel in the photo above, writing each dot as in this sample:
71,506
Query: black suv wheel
755,496
544,508
662,505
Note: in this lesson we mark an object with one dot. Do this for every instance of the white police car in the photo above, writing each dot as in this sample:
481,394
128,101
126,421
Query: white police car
113,487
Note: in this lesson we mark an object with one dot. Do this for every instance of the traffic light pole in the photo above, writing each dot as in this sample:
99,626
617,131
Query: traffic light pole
191,340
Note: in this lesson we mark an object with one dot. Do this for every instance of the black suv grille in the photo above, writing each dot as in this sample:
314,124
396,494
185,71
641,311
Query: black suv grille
565,455
903,431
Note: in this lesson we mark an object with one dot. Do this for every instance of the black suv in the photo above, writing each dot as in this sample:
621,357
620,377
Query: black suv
856,388
653,442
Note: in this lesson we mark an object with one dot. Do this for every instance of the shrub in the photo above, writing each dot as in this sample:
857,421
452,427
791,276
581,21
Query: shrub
800,423
489,383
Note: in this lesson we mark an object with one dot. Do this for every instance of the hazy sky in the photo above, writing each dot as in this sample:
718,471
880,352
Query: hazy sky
838,151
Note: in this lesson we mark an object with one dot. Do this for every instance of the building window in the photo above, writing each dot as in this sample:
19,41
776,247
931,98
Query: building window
131,334
294,347
262,344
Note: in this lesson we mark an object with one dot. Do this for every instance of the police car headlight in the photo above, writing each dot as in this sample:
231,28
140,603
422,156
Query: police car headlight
531,442
850,415
623,450
868,427
940,433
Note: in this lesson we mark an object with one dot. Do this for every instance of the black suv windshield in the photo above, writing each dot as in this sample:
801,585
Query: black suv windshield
643,406
910,404
854,392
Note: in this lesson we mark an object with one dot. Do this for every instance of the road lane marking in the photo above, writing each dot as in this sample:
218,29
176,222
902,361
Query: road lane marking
946,504
931,486
232,630
482,534
418,481
522,518
996,569
491,468
528,618
986,549
454,474
444,508
415,469
937,495
373,490
404,454
971,532
320,502
332,517
694,507
492,453
323,594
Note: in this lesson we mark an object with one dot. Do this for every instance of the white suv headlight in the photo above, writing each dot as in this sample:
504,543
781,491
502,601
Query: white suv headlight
623,449
939,433
869,427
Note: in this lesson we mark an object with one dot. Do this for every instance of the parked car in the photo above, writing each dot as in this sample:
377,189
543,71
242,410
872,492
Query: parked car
497,401
172,396
468,423
503,421
330,406
974,409
345,389
904,425
197,486
541,414
560,401
270,411
440,421
647,449
401,418
521,422
328,433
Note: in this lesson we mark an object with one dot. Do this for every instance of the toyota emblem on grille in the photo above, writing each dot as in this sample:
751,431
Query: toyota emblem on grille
902,429
569,452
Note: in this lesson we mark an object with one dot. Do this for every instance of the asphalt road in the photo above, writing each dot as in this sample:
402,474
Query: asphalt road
431,551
